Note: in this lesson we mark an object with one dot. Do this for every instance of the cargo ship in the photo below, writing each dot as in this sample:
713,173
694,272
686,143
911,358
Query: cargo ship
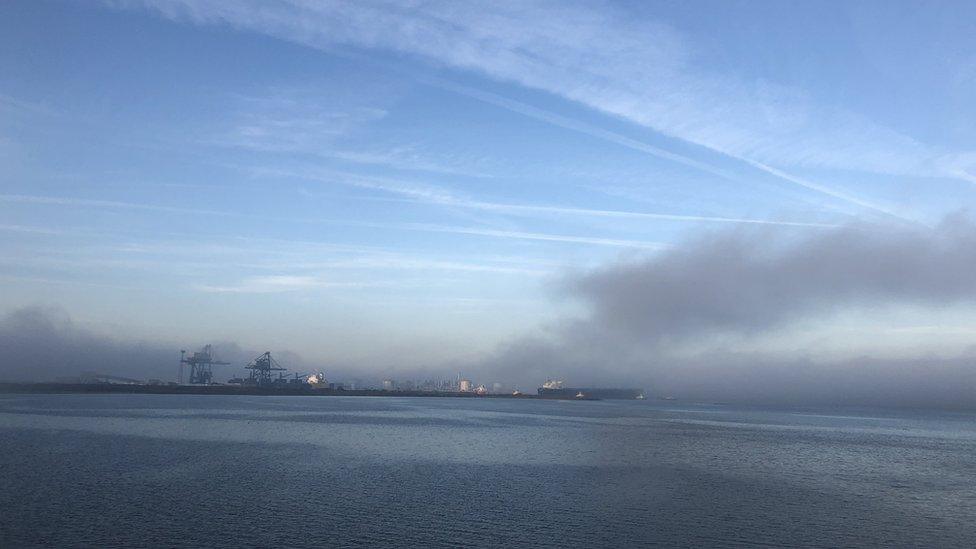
555,389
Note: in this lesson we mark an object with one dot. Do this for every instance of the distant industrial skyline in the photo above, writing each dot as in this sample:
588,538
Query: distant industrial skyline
595,191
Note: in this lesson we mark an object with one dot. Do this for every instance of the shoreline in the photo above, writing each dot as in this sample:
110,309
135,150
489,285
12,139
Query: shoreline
245,390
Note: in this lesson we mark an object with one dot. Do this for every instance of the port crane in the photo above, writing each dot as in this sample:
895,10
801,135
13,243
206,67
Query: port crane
201,365
261,368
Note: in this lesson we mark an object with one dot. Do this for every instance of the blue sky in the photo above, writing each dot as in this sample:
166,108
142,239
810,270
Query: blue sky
408,183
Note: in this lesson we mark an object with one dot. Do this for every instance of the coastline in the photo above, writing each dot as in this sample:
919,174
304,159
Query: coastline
250,390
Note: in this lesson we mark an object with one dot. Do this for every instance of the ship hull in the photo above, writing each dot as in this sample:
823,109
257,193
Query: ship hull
591,393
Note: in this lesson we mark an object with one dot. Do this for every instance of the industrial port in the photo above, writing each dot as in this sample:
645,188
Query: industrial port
266,376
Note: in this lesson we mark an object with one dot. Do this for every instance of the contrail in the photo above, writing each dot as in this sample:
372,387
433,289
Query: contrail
427,194
61,201
497,233
807,184
408,226
577,126
633,215
539,236
613,137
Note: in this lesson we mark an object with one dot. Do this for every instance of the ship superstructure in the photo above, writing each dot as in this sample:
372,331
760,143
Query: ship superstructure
556,388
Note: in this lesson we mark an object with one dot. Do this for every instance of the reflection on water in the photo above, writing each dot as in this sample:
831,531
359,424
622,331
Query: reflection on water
229,471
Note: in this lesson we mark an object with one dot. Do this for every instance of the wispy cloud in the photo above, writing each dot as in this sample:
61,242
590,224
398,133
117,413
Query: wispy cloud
395,226
578,54
31,230
15,105
319,123
293,123
634,144
437,196
66,281
523,209
403,262
65,201
273,284
838,194
580,127
434,194
523,235
402,158
962,165
203,260
306,256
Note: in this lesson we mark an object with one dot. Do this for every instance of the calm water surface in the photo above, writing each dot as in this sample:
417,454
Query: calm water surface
192,471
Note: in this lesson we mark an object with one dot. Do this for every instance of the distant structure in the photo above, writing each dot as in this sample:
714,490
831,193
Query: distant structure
553,384
261,368
95,378
555,388
201,366
316,379
388,385
464,385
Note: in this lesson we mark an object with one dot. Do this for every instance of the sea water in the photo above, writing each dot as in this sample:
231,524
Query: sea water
228,471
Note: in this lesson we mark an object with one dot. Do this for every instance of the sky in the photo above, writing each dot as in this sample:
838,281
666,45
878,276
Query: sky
692,196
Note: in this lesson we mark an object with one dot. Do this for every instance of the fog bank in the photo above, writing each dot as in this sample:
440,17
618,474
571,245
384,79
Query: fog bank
654,321
666,322
44,344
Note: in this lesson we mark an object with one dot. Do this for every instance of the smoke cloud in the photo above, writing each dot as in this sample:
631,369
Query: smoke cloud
747,281
668,323
44,344
652,322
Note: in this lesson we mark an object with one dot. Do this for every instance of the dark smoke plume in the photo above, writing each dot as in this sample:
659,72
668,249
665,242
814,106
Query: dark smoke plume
747,284
755,281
